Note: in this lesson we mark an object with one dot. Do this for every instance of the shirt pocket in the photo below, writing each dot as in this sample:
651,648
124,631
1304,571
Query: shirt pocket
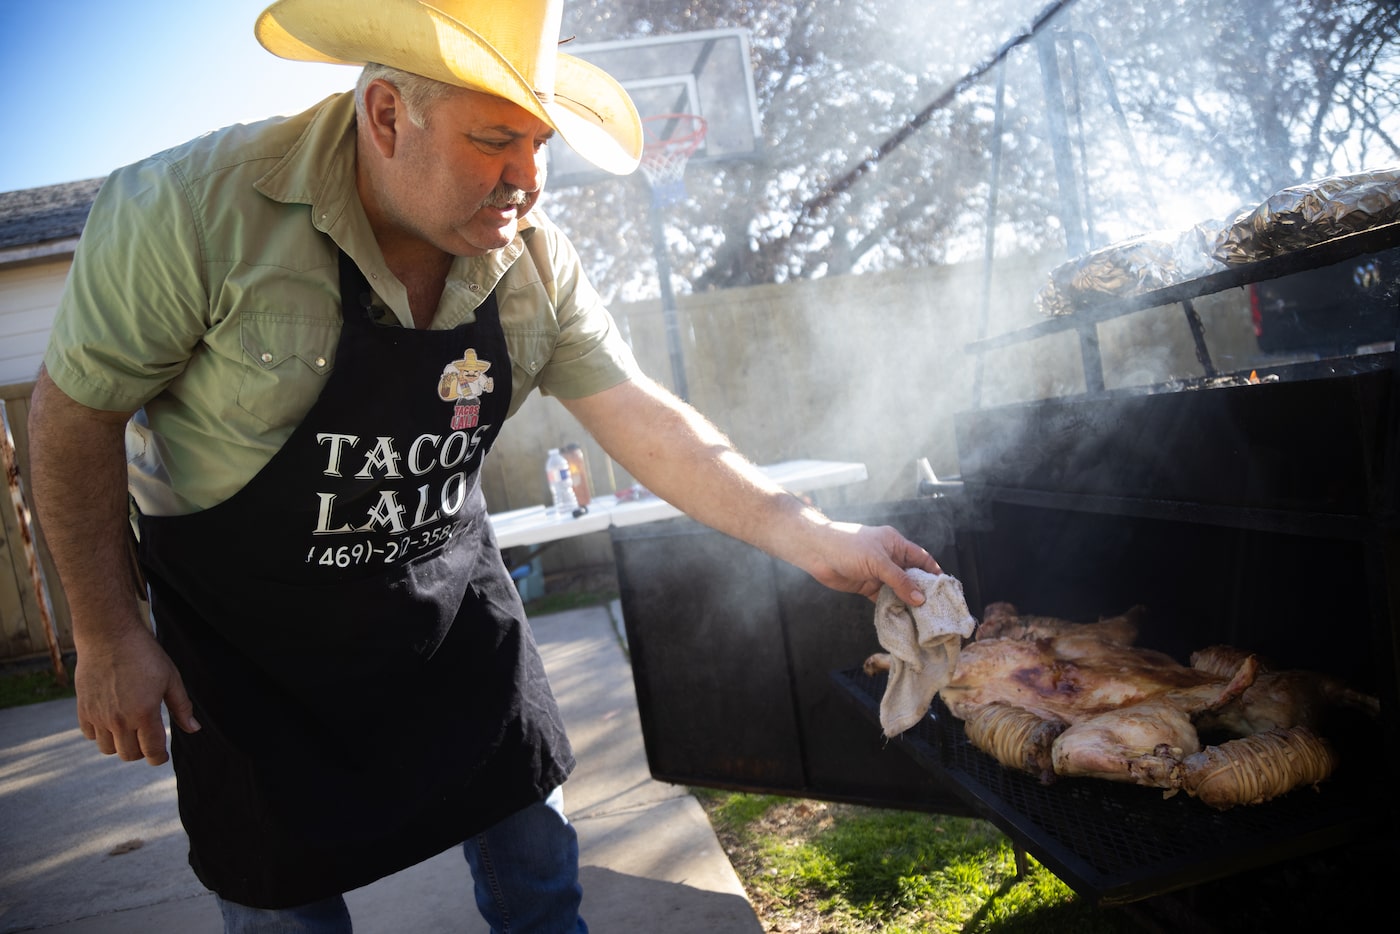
529,348
286,361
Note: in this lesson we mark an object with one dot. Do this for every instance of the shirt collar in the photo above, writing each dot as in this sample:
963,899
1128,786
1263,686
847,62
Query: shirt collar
319,169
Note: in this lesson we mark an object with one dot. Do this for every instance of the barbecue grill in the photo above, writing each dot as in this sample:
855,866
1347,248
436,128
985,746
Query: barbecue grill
1254,509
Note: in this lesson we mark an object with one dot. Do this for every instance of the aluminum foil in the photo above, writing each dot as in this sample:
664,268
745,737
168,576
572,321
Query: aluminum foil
1291,219
1131,267
1312,213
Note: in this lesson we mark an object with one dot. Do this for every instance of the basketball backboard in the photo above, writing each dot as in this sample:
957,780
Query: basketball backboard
709,73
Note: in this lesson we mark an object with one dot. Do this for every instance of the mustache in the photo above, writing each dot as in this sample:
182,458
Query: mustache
507,196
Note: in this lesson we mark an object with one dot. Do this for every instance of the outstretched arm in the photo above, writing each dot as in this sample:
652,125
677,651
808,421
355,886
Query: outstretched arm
78,466
680,456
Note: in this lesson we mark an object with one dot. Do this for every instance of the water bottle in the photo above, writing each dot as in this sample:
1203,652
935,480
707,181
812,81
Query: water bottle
578,472
563,503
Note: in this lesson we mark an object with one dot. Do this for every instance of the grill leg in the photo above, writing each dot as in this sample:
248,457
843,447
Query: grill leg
1021,867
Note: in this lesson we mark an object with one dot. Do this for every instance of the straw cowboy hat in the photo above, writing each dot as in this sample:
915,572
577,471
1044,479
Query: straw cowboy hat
470,363
508,48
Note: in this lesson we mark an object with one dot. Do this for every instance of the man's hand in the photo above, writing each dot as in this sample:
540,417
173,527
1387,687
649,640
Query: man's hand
120,688
77,458
861,558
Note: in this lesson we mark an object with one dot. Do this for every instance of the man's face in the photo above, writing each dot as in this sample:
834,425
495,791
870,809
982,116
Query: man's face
463,182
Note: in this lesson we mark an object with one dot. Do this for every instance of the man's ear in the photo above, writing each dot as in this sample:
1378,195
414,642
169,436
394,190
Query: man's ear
384,108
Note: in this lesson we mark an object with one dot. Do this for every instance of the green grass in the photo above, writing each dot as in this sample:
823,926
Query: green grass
32,686
822,868
857,869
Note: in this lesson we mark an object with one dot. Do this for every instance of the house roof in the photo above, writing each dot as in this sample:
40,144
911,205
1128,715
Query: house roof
42,222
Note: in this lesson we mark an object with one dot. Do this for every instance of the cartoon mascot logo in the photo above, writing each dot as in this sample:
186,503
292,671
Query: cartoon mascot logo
463,382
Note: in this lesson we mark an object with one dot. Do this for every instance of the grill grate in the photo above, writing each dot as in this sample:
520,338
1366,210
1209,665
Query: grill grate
1115,843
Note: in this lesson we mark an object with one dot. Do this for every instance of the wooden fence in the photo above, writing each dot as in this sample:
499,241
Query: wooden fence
34,619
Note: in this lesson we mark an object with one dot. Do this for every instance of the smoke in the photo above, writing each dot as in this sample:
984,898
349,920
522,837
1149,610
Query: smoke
860,343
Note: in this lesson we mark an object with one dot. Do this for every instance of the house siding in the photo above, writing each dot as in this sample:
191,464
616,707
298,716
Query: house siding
28,298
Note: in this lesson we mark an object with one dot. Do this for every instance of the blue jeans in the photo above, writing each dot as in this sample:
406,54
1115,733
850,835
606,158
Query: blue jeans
524,872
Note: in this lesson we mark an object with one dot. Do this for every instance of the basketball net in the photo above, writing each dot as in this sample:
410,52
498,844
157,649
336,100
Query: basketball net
668,142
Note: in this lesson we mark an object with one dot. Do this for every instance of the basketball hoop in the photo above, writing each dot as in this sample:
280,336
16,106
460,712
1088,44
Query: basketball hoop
669,142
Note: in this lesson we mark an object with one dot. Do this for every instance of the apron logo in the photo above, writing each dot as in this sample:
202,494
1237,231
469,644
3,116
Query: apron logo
463,382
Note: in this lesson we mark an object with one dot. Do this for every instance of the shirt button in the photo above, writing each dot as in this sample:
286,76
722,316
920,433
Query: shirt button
320,361
266,357
474,287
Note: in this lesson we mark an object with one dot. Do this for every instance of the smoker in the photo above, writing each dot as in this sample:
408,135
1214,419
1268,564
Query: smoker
1257,510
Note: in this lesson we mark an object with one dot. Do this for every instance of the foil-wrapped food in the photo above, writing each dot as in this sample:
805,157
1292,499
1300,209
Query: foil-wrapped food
1130,267
1304,215
1293,218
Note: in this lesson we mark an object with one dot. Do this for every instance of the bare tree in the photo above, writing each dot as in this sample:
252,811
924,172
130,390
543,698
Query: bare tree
896,131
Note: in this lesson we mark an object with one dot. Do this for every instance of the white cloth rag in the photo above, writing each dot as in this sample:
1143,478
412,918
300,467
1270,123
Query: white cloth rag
923,643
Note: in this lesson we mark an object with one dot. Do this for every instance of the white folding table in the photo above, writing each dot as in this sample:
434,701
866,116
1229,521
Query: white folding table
534,526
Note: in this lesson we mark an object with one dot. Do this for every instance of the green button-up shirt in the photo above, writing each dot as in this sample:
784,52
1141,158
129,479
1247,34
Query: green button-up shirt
205,297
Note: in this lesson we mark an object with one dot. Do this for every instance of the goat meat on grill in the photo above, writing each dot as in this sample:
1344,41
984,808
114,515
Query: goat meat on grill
1001,621
1033,675
1145,743
1277,700
1057,698
1254,769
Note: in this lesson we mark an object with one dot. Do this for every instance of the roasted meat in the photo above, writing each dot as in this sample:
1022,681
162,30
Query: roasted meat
1278,700
1255,768
1145,742
1016,738
1068,678
1069,639
1059,699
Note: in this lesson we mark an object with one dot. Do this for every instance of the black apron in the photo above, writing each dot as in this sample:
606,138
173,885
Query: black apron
357,654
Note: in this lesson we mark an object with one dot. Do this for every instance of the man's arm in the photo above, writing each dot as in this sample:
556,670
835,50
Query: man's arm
78,475
680,456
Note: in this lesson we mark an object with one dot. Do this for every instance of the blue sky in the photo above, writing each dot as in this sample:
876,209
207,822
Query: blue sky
96,84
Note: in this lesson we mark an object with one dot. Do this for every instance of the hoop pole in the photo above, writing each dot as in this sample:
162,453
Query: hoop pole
668,304
663,161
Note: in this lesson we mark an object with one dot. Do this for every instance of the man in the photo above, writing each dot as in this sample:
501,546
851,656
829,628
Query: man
259,322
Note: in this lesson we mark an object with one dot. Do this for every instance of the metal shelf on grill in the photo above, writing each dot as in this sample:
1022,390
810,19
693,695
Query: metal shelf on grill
1371,240
1115,843
1087,315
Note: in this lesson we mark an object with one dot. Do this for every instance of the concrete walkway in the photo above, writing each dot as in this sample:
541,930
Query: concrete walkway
93,845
